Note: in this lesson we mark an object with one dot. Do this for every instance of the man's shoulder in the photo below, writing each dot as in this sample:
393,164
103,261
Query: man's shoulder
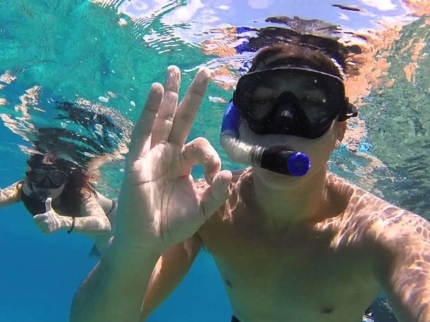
370,217
393,225
359,199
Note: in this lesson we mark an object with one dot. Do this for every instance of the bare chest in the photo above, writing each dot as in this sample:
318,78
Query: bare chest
272,277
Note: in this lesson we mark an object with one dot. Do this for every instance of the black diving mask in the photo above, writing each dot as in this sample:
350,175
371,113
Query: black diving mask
293,101
47,177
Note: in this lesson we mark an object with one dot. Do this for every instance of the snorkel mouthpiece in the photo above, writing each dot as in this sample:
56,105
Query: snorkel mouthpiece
276,159
40,196
285,162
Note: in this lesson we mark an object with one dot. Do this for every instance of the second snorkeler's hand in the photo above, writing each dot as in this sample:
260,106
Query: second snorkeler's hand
159,203
50,221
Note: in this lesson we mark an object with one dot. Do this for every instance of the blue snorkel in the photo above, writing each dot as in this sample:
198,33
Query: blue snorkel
275,159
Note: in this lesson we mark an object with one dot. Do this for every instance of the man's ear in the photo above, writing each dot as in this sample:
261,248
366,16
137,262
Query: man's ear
340,132
341,129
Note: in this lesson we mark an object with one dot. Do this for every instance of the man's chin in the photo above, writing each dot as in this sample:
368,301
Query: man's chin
273,179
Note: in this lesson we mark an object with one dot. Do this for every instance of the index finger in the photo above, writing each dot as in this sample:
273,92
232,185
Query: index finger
187,109
140,142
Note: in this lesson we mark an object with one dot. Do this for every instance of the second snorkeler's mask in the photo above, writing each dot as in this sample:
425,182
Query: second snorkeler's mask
47,176
291,101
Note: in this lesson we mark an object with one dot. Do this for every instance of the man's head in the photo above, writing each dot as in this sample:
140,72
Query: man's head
294,96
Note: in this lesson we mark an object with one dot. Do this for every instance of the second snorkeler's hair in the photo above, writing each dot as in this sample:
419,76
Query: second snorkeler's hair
36,160
296,56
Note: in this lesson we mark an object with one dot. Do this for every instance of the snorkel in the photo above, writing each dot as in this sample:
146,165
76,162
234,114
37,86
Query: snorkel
275,159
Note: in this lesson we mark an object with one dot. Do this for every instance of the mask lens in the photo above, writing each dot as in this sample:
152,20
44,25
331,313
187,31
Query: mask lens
57,177
36,176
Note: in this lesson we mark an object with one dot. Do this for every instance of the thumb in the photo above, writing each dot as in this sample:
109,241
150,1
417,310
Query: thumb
215,195
48,206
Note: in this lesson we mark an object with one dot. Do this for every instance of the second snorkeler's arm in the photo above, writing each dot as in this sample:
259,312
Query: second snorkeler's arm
403,268
10,195
92,222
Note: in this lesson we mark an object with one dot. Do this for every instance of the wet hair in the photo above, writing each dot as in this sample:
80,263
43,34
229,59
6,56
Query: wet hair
77,189
295,56
314,34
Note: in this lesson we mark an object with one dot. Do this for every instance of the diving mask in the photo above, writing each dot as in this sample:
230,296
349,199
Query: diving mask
47,177
286,100
292,101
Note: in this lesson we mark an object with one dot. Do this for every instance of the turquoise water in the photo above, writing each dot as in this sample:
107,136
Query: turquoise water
104,55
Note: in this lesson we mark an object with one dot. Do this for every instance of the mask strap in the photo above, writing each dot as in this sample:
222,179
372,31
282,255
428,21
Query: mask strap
348,110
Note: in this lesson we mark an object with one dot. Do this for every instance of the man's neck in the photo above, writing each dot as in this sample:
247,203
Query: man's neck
293,205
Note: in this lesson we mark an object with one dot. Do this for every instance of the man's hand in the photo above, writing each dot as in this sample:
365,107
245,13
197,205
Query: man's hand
159,203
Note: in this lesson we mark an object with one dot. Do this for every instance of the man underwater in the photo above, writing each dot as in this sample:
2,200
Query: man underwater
291,241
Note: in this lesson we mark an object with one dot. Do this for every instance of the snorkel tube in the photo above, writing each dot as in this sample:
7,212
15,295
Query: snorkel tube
275,159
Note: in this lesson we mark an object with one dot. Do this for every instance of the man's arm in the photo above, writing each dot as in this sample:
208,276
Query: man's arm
158,206
10,195
403,268
129,287
171,268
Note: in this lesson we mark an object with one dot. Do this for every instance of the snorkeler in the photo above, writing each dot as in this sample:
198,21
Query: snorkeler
59,195
291,241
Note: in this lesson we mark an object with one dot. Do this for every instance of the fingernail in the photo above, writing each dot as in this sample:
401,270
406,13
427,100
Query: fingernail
203,74
205,70
172,69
